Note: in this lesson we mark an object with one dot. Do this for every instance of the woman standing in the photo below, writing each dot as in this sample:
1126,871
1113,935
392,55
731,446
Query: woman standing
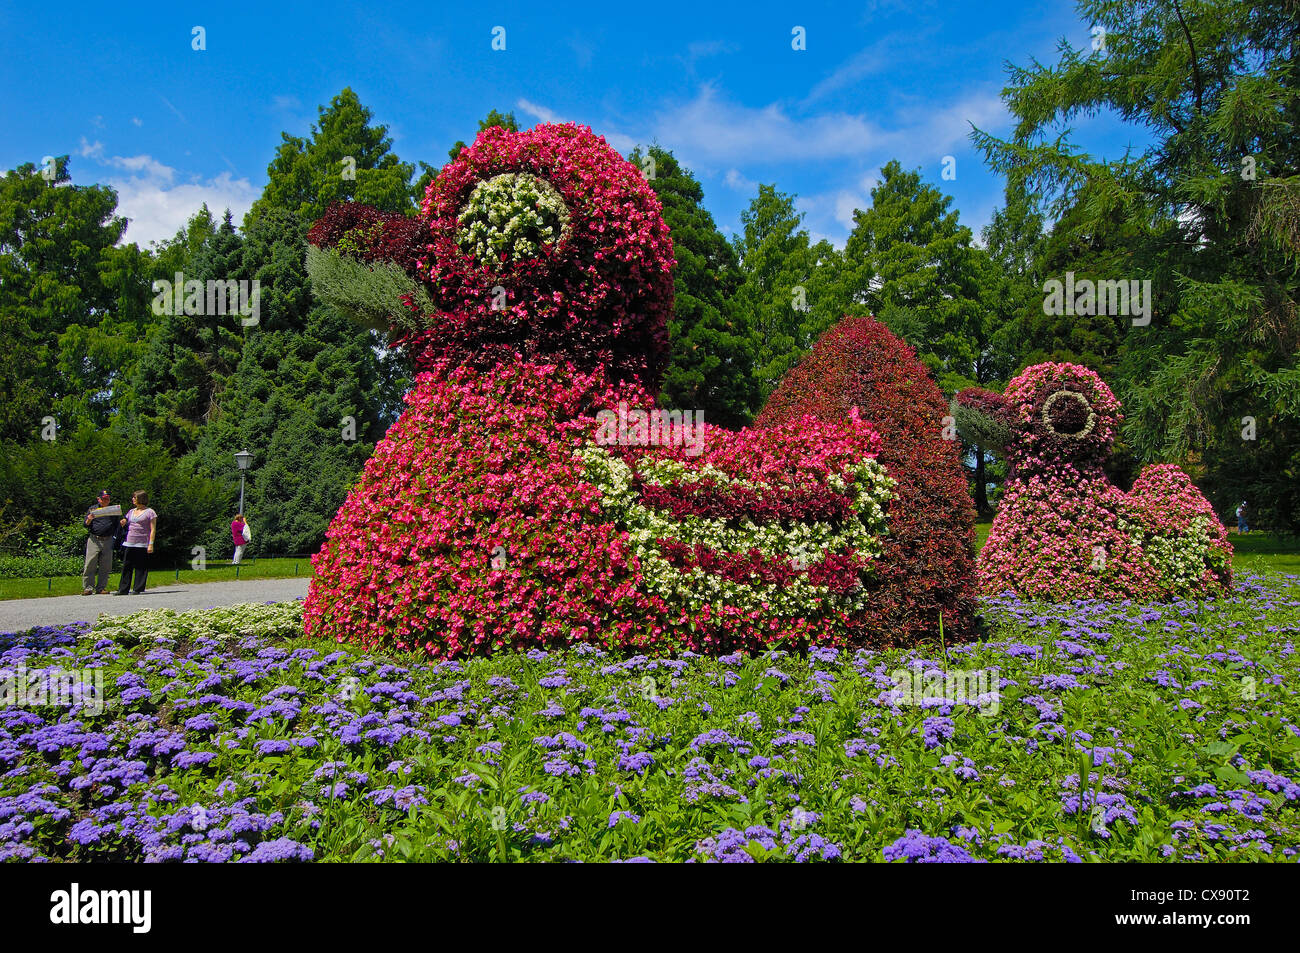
241,535
141,525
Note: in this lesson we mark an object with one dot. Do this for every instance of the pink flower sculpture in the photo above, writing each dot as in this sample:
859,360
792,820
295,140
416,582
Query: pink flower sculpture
531,494
1063,531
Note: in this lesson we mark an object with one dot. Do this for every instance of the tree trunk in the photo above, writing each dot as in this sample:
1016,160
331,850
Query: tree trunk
982,507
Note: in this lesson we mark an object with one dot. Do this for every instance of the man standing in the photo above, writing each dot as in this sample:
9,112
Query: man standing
1242,519
99,549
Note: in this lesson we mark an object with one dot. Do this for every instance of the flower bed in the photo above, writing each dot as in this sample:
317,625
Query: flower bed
1109,731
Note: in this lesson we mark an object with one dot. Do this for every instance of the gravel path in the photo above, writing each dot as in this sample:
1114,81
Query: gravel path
17,615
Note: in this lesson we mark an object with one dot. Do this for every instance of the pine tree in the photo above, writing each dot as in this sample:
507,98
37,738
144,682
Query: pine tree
909,261
786,299
345,158
711,363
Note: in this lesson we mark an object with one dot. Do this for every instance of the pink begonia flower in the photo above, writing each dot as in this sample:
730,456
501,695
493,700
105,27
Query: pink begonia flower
1063,531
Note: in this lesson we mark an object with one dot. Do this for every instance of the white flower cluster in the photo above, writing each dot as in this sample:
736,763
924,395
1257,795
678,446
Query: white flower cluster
803,545
513,214
1181,559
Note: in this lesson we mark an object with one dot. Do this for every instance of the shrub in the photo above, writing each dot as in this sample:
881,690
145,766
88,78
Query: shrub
926,569
40,567
1064,531
56,482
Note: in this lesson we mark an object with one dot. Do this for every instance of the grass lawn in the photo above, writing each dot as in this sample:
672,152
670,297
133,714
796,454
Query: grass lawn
216,572
1102,732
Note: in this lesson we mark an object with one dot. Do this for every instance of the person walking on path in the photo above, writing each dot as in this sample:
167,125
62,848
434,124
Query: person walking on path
241,535
99,549
141,526
1242,522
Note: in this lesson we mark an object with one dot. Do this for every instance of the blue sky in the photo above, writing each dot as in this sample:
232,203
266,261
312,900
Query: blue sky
170,127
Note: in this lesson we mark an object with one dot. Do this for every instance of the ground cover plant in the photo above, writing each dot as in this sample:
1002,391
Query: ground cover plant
1111,731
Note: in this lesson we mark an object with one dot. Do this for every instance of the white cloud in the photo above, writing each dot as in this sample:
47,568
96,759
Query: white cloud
715,130
538,112
157,213
735,180
156,207
137,120
624,144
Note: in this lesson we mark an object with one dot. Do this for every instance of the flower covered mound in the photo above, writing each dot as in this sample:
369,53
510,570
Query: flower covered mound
228,737
534,294
926,569
1063,530
471,527
490,517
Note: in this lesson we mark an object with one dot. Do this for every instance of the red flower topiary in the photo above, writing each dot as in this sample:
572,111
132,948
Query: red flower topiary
549,244
534,290
927,569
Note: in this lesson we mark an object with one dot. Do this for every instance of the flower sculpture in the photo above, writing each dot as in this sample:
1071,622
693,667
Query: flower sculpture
1063,530
926,569
505,508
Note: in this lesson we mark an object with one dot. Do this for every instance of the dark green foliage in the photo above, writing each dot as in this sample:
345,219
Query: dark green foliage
788,296
712,356
60,479
308,175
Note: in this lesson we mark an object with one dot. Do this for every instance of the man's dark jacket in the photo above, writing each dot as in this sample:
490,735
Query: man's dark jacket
103,525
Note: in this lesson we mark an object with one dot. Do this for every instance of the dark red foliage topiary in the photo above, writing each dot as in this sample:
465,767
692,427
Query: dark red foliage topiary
369,234
928,565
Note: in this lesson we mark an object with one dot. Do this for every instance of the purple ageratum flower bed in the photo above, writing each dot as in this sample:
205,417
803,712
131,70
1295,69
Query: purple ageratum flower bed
224,736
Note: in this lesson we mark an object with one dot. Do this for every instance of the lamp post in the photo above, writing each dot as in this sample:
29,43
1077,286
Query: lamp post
243,460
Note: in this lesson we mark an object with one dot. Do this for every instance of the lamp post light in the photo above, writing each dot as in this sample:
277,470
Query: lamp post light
243,460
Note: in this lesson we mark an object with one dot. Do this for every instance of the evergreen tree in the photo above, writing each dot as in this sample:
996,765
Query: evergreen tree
787,296
345,158
711,364
1206,214
310,391
182,371
909,261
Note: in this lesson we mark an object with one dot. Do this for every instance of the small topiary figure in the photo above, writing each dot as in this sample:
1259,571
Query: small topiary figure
1063,531
926,569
